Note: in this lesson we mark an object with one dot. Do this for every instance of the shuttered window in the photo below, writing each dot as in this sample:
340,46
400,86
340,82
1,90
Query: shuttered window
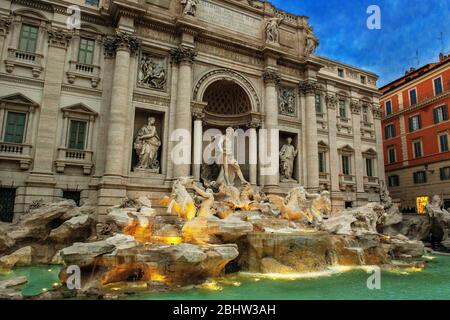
346,165
86,51
443,142
28,38
389,131
420,177
77,134
437,86
440,114
415,123
369,167
15,127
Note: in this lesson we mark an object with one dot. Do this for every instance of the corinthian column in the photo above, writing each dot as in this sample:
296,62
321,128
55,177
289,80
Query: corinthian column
123,45
309,88
184,57
355,107
271,143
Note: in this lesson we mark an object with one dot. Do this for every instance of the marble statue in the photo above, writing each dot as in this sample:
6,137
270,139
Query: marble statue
147,144
206,207
287,157
190,7
295,206
229,168
152,74
311,42
272,30
180,201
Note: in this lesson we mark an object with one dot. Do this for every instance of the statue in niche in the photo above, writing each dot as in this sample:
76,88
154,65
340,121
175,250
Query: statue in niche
230,167
272,30
190,7
311,42
147,144
151,73
286,101
287,157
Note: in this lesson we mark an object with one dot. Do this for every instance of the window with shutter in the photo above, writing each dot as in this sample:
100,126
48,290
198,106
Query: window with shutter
28,38
86,51
77,134
443,142
438,86
15,127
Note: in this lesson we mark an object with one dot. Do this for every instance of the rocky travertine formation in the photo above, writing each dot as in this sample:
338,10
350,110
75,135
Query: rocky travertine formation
200,236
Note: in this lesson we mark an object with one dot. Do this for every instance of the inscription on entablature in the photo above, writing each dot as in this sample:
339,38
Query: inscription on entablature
157,35
289,71
228,18
228,54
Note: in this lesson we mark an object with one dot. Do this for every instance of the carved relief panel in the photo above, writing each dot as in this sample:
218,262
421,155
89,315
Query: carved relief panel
287,104
152,71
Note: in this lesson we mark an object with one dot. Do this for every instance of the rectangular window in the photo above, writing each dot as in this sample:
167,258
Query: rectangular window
388,106
86,51
440,114
15,127
342,109
443,142
394,181
28,38
365,112
420,177
445,173
389,131
7,202
369,167
322,162
341,73
415,123
417,148
363,79
438,86
412,97
346,165
391,155
77,134
318,104
93,2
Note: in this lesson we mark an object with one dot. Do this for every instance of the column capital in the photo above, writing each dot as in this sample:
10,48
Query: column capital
58,38
254,124
271,76
377,112
309,87
183,54
355,106
332,101
121,41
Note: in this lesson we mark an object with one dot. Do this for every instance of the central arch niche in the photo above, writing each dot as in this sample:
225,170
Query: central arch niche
227,98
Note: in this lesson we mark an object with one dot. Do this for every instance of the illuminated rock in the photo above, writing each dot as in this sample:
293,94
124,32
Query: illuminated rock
21,257
77,228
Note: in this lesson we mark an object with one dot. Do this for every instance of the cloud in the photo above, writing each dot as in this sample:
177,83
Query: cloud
407,26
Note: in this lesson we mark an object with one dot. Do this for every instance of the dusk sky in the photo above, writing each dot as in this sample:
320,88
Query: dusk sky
406,26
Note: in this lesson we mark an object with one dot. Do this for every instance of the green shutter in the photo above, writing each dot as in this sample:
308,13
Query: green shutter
77,135
86,51
28,38
15,127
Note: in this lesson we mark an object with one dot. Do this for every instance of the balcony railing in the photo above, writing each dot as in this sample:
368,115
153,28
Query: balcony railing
86,71
24,59
16,152
73,157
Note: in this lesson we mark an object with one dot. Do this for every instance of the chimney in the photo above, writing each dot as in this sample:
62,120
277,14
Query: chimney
441,57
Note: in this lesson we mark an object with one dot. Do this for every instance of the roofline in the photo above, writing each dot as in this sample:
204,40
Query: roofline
349,66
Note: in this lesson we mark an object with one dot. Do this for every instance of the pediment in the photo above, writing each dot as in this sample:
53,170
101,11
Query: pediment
18,99
80,108
347,148
370,151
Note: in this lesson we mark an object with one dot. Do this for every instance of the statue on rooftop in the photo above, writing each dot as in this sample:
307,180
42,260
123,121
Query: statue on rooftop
190,7
272,30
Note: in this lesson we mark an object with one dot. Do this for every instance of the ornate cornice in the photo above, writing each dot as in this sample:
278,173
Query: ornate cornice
254,124
58,38
332,101
183,54
121,41
377,112
355,107
271,77
309,87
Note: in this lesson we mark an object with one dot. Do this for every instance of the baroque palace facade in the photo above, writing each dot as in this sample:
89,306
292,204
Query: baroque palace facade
77,99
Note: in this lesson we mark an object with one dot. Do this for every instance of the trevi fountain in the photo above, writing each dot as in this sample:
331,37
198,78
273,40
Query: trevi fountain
224,235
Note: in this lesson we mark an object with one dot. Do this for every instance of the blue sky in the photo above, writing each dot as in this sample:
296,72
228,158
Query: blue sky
406,26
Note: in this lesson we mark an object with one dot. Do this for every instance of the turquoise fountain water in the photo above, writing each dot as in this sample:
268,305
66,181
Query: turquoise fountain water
431,283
